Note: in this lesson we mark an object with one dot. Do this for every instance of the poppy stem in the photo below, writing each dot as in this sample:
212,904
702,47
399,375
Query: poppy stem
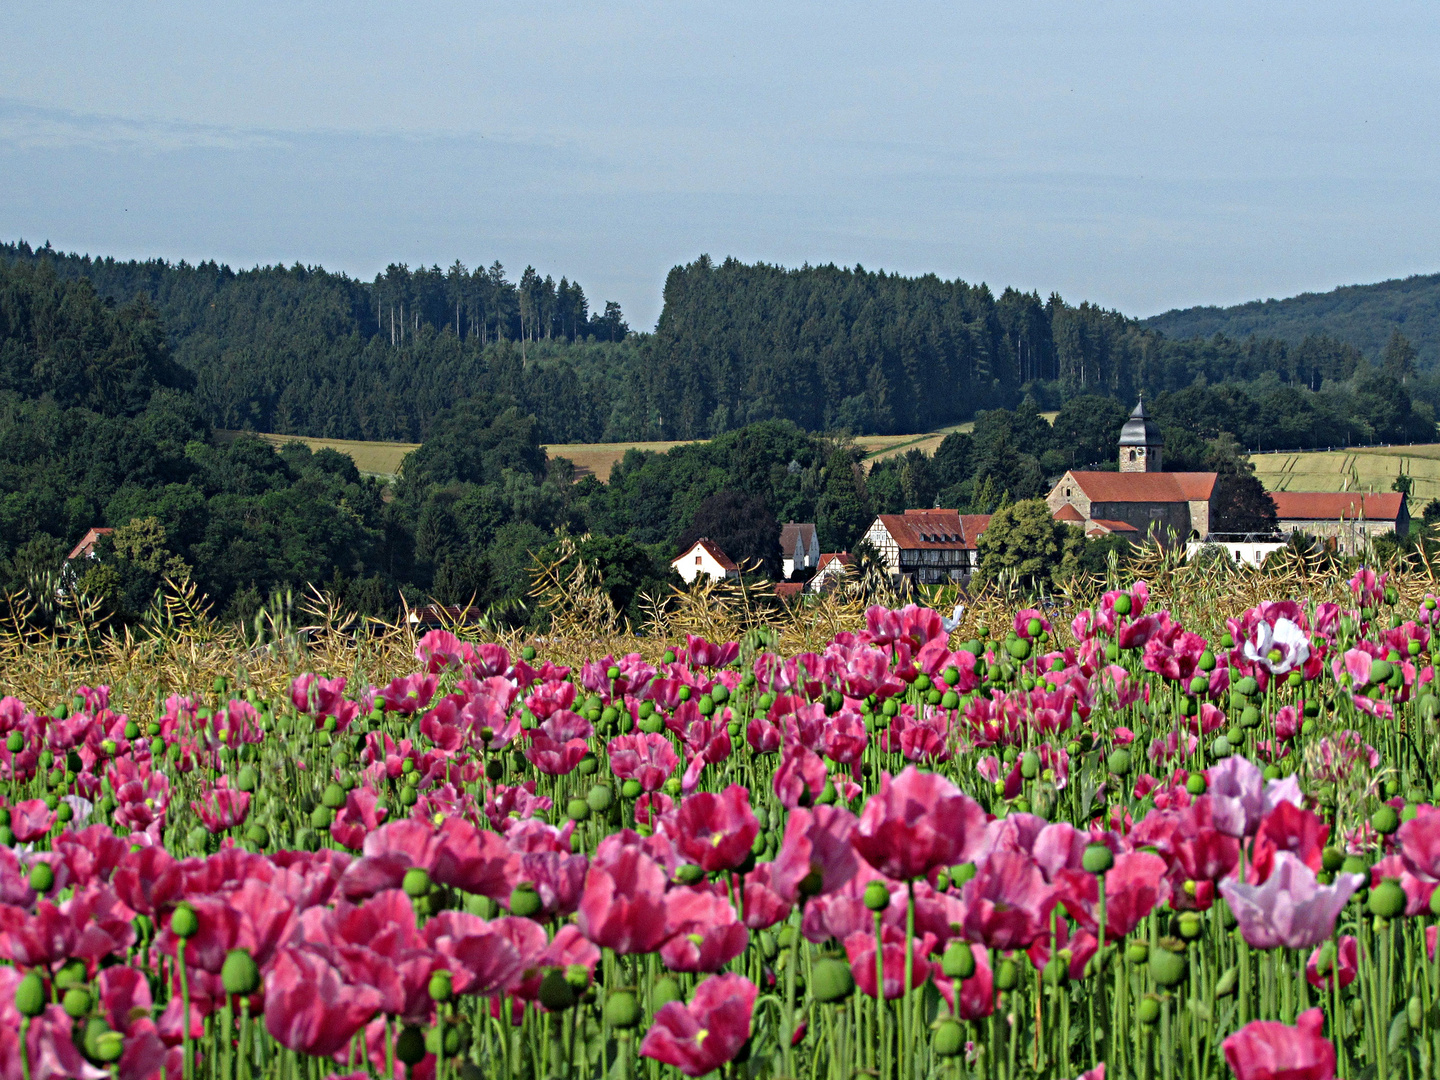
187,1066
25,1046
906,1063
883,1055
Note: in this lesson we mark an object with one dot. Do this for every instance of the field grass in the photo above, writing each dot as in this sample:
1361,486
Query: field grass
591,459
1354,470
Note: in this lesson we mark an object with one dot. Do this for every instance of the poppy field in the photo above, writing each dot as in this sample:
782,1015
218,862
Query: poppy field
1096,838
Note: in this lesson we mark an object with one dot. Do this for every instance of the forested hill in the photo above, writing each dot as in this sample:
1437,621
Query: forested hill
1361,315
303,351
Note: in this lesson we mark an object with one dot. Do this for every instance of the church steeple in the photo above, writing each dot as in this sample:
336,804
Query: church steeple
1141,444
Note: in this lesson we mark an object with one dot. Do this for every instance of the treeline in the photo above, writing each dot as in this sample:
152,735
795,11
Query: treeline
302,351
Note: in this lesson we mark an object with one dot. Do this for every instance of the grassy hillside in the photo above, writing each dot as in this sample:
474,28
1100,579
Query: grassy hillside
1361,315
1354,470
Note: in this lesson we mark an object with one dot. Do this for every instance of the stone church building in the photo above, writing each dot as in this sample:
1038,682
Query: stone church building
1141,499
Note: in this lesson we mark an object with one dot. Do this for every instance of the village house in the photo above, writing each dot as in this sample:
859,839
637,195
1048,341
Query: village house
830,571
1344,520
799,547
927,547
704,557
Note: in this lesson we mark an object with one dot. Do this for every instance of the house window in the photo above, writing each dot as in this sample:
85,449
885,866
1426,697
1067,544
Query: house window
697,560
1067,493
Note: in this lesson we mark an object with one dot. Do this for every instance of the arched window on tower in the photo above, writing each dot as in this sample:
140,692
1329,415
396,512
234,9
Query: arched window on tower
1132,455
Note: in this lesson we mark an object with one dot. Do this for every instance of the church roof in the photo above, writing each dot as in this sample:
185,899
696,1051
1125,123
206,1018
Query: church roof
1145,487
935,530
1069,513
1335,505
1140,430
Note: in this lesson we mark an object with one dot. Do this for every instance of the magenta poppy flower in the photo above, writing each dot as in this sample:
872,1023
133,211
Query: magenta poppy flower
1288,828
309,1007
916,823
554,758
1291,909
704,933
647,758
708,1032
860,951
438,650
409,694
1344,965
800,778
1268,1050
623,905
762,735
360,816
222,807
1419,840
1134,887
701,653
715,832
976,999
31,820
1007,902
485,957
816,854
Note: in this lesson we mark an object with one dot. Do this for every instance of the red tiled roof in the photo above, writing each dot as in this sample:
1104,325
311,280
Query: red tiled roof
1154,487
712,549
1069,513
1334,505
788,590
87,542
935,530
1112,526
830,556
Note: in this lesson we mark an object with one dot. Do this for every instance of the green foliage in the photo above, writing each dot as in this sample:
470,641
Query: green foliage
1025,540
744,528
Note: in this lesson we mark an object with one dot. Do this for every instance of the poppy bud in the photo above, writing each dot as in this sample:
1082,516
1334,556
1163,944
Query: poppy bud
239,975
1007,975
663,992
958,960
76,1003
1119,762
689,874
185,922
577,809
622,1010
831,980
1148,1010
30,995
42,878
416,882
949,1039
1196,784
1137,952
410,1045
1385,820
525,901
1123,604
1030,765
1387,900
877,896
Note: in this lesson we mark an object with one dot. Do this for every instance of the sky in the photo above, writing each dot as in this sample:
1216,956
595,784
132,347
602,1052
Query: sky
1142,156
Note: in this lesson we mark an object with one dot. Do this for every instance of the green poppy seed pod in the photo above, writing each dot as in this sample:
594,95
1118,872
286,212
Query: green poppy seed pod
42,878
410,1045
30,995
690,874
831,980
663,992
1385,820
322,816
416,882
184,923
877,896
440,986
1097,859
577,809
105,1046
1196,784
1019,649
1190,925
333,796
76,1003
1057,972
958,960
15,742
1221,747
1148,1011
1355,864
600,798
1007,975
1167,964
1387,900
525,901
239,974
72,973
949,1039
1119,762
622,1010
246,779
1137,952
527,653
631,789
1030,765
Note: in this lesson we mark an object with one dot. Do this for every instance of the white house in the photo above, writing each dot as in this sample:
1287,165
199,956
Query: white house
799,547
704,557
1248,552
928,546
831,571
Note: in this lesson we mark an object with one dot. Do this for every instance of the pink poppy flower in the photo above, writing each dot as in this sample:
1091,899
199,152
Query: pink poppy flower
708,1032
860,951
648,758
1344,964
311,1008
1291,909
704,934
915,823
623,906
1268,1050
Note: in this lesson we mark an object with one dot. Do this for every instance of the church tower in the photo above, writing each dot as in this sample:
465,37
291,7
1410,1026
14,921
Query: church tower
1141,445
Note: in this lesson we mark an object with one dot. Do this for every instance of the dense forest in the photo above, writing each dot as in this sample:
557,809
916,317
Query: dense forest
302,351
100,425
1360,315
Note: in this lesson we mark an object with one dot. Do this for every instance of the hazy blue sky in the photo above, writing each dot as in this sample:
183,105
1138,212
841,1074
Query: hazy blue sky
1140,155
